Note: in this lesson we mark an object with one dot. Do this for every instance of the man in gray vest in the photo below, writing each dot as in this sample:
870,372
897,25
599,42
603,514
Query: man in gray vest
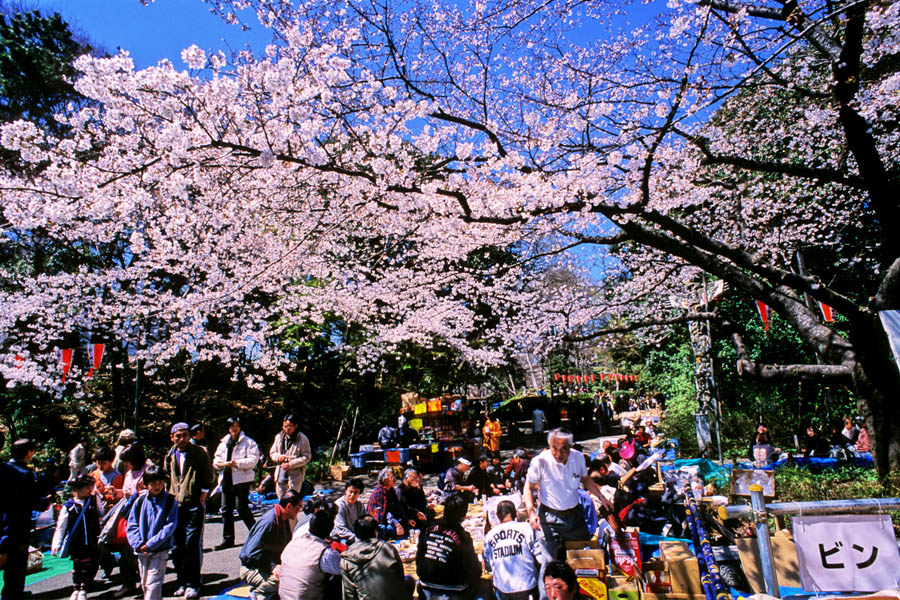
308,563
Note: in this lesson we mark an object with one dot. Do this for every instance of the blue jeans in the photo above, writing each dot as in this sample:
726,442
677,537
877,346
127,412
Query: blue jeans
188,550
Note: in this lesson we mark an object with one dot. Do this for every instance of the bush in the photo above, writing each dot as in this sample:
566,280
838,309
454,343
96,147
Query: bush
796,484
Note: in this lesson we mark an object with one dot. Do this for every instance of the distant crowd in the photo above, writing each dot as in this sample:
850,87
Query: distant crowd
131,511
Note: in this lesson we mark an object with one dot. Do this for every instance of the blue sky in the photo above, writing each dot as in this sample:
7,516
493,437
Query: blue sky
163,28
150,33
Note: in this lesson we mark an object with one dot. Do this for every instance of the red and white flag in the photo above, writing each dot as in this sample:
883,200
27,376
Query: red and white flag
764,312
96,352
827,312
66,361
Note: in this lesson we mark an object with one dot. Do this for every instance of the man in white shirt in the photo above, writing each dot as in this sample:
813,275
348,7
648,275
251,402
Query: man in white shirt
559,474
511,553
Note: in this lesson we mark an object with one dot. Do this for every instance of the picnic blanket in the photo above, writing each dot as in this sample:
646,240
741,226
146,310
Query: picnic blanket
816,464
53,566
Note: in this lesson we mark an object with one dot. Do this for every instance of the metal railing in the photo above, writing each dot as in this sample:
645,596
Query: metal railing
758,512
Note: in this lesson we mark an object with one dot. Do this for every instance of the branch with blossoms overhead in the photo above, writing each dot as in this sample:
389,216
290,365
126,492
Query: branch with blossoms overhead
363,164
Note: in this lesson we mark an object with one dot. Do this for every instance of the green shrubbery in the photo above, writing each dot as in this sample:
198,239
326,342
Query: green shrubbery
796,484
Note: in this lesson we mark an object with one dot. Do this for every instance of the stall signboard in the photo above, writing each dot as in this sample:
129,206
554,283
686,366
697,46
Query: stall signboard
625,549
851,553
592,587
435,448
421,408
434,405
415,424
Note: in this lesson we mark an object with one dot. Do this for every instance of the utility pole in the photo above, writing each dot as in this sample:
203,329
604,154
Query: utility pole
704,374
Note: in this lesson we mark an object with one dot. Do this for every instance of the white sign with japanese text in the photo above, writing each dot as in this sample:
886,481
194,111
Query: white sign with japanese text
849,553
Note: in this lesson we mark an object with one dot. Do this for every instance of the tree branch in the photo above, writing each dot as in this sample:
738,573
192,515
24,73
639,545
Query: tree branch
824,175
440,114
702,316
789,13
749,368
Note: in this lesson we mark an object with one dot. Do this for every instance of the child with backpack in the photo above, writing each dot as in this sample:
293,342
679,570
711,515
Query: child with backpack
76,535
151,531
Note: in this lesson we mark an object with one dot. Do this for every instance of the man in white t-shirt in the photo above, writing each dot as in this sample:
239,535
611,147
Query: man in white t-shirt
511,553
559,473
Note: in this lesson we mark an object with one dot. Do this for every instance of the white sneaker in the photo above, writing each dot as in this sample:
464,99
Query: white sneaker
191,593
74,595
180,591
82,595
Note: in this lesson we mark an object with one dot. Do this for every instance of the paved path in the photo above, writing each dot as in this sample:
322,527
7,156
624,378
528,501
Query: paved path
221,567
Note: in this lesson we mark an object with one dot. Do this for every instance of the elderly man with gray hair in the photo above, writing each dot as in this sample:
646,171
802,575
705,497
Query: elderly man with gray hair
559,473
386,509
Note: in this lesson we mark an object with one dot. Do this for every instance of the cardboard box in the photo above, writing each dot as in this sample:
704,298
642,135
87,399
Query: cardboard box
787,566
653,596
592,588
682,567
340,472
587,563
656,577
619,587
590,544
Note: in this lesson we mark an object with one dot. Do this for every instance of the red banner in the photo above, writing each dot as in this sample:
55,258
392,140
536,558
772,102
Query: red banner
764,312
96,352
66,361
827,312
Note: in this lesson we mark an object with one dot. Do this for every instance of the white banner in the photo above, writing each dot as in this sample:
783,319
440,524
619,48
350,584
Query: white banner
890,319
847,553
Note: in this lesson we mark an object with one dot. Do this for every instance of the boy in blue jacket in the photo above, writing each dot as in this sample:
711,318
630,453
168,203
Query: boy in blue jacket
151,531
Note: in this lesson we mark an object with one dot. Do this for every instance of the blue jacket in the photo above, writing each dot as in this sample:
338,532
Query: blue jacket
10,512
265,542
152,522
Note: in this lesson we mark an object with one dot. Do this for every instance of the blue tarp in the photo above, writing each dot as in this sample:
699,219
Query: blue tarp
862,459
709,471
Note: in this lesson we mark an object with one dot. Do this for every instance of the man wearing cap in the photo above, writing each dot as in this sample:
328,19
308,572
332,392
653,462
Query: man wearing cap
190,479
455,480
559,473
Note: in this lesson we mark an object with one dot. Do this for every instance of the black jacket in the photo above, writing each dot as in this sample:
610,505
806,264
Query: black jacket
446,556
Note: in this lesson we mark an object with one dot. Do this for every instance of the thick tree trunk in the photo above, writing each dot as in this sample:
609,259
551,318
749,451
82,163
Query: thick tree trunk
877,383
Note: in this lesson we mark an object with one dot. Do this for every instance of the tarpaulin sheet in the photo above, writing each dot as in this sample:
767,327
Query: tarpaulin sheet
709,471
815,464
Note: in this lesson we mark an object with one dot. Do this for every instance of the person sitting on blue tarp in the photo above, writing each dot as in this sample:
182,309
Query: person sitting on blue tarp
765,453
815,444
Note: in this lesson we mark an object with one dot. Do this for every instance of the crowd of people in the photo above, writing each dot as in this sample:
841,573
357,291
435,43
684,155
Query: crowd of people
846,438
132,510
129,511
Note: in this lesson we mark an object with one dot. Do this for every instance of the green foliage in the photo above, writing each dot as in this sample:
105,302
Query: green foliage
668,369
786,406
796,484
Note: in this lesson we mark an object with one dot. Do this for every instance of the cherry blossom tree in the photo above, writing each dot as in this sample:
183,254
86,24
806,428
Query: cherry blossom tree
366,161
